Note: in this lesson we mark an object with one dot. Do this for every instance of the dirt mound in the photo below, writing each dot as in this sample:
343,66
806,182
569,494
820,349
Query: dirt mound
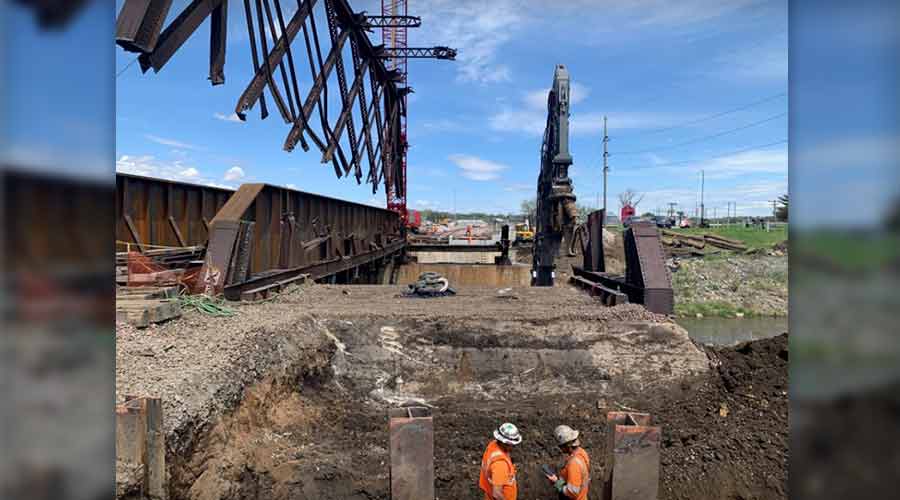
728,436
843,448
724,435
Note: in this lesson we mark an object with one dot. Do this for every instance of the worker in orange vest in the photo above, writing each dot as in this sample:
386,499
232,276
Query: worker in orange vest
575,478
498,474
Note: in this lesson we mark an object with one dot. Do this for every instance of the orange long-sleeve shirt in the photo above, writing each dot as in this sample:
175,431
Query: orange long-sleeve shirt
577,475
497,473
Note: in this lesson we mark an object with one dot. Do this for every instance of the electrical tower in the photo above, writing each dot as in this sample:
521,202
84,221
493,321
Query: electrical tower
394,21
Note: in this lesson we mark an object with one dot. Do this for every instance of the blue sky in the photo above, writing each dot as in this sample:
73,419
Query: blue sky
476,123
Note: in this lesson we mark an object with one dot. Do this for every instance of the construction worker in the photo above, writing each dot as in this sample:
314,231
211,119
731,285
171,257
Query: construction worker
498,474
574,479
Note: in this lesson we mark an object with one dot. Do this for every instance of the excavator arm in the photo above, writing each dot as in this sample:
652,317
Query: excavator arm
556,211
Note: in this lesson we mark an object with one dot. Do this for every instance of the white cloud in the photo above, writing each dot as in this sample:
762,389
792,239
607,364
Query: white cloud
482,30
477,169
750,162
170,142
751,199
233,117
150,166
234,173
849,152
477,29
760,62
189,172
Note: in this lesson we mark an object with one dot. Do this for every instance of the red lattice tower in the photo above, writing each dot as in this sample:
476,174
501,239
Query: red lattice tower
394,37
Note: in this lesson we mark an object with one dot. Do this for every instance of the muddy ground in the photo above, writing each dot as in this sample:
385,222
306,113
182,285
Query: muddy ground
290,399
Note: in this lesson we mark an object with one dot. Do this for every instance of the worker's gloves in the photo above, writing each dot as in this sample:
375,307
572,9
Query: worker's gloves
559,485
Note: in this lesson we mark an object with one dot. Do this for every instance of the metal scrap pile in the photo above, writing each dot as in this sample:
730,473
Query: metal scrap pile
429,284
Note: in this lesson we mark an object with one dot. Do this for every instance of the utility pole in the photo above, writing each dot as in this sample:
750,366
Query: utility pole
774,208
702,186
672,205
605,165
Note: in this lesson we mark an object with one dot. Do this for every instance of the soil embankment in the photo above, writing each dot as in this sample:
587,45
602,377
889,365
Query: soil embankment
289,399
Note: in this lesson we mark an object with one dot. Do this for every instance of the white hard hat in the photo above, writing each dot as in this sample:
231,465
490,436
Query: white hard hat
508,434
565,434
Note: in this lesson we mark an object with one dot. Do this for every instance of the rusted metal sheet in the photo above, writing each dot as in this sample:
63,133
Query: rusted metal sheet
294,230
140,443
139,24
254,230
412,453
645,267
156,212
593,245
632,457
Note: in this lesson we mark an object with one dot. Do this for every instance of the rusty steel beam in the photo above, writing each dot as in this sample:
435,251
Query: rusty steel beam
593,245
259,287
141,443
218,39
632,457
412,453
645,268
155,212
140,21
139,24
345,118
254,231
174,36
293,230
301,123
254,90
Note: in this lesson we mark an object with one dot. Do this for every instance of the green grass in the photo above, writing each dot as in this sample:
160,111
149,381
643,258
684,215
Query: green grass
711,309
853,252
752,237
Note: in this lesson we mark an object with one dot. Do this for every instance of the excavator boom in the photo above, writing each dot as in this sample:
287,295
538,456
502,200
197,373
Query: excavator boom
556,210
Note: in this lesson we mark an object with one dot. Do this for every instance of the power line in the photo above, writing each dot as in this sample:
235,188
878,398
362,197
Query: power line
724,155
714,116
701,139
126,67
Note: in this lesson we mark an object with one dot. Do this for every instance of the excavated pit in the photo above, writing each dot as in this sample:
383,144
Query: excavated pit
310,385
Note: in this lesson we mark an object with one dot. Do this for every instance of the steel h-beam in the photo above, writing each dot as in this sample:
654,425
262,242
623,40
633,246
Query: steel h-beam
393,21
437,52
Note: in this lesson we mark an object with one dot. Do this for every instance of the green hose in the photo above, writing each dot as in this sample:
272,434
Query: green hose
205,304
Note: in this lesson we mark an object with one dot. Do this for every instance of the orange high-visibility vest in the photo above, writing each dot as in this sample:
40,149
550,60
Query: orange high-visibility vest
577,475
507,471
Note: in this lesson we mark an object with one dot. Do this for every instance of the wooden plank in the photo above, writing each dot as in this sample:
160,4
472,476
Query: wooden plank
141,313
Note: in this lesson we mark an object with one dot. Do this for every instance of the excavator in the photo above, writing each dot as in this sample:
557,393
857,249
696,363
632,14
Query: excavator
556,211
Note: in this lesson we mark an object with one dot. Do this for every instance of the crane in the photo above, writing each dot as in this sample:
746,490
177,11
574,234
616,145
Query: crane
394,21
555,211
